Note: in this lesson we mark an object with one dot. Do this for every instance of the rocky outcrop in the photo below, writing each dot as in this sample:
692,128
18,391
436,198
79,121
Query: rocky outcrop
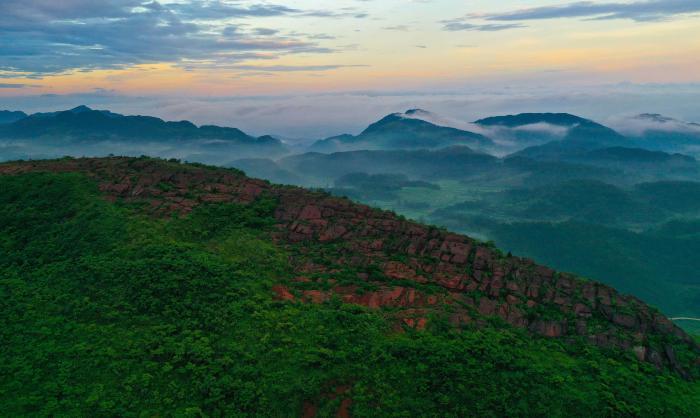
310,410
377,259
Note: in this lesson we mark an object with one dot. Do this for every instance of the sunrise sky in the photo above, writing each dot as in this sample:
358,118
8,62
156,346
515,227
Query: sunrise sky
232,48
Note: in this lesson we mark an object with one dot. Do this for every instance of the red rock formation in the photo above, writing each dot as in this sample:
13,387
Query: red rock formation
310,410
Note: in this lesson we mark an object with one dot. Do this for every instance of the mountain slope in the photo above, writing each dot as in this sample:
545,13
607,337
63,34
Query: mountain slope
165,289
446,162
403,131
642,162
658,132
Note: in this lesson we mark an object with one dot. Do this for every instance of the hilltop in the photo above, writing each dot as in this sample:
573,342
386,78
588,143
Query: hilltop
413,129
165,288
83,122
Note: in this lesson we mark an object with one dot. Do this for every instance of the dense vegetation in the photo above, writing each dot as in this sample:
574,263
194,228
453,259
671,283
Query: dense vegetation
108,312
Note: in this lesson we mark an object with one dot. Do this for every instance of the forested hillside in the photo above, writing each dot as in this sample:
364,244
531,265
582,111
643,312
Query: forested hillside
140,287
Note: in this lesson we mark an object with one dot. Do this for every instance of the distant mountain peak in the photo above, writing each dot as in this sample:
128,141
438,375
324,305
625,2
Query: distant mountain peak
418,112
400,120
80,109
413,129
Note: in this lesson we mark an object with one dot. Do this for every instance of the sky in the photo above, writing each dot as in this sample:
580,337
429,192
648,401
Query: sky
312,68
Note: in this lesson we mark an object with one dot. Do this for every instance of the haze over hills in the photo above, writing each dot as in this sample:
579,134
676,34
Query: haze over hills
532,132
658,132
84,131
533,135
440,163
427,172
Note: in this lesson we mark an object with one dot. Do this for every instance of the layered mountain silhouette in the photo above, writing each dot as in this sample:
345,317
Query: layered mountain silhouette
536,135
83,122
84,131
541,136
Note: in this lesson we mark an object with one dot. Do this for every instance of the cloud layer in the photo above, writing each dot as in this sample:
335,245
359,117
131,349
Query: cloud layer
323,115
638,11
41,37
639,125
12,85
459,25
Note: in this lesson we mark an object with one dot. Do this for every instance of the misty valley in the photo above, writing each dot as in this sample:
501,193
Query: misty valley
566,191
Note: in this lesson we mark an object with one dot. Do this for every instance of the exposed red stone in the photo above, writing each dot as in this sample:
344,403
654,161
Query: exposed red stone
282,293
582,310
310,409
548,328
315,296
216,198
627,321
487,306
310,212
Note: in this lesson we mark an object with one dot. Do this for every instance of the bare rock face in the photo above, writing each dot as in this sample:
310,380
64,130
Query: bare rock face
415,270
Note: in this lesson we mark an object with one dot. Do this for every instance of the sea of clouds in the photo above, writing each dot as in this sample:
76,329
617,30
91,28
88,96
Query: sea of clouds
302,118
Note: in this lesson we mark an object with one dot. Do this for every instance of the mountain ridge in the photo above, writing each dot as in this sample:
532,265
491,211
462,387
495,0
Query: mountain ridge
9,116
82,131
470,279
83,121
533,135
522,119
